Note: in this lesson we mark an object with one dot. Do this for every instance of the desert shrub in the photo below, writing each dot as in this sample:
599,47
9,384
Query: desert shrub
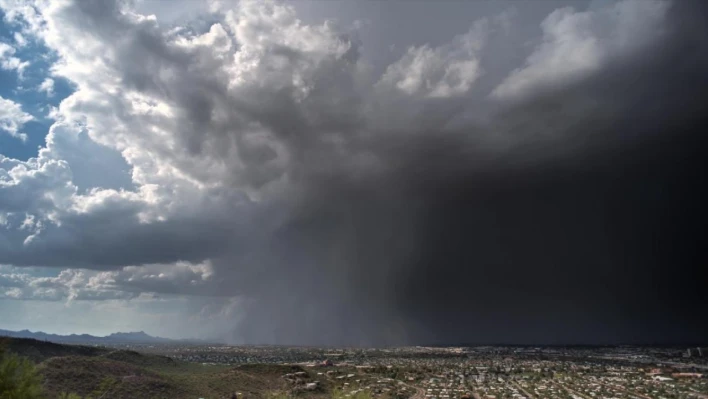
18,377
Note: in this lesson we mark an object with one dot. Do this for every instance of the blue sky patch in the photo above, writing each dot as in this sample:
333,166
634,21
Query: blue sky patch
25,89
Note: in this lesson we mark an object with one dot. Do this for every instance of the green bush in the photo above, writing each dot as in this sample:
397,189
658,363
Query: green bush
103,389
18,378
339,394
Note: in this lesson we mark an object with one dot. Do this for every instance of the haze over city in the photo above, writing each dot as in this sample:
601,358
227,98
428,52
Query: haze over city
355,173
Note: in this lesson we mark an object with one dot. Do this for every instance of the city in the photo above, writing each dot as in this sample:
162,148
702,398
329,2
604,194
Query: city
479,372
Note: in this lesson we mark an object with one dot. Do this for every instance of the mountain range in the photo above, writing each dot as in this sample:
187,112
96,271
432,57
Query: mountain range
139,337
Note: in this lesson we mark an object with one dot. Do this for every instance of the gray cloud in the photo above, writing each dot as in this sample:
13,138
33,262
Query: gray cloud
127,283
351,208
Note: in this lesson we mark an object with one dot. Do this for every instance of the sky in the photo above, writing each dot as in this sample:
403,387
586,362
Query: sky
355,173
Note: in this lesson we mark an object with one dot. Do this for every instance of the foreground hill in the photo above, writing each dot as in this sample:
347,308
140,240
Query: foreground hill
86,375
97,371
38,351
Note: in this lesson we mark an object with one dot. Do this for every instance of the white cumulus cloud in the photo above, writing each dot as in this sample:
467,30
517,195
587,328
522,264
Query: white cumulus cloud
12,117
578,43
47,86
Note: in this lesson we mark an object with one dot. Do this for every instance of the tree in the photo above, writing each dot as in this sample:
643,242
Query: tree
18,377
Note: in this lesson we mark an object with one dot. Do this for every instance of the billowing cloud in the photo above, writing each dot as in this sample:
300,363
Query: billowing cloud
578,43
259,160
446,71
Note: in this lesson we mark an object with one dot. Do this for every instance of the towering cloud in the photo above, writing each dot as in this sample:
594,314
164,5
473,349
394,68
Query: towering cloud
258,157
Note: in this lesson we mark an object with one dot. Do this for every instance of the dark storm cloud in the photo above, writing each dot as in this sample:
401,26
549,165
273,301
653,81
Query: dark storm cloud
588,229
113,238
571,214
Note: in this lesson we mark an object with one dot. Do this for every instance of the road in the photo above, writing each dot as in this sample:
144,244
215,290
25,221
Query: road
573,392
622,389
528,395
419,392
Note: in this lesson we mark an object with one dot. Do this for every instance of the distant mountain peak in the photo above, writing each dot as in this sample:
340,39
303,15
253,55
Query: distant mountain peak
131,333
134,337
119,337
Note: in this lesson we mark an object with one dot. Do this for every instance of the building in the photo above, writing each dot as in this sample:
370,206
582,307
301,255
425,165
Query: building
662,378
687,375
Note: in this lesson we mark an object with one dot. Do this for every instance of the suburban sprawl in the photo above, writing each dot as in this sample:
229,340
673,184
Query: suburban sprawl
490,372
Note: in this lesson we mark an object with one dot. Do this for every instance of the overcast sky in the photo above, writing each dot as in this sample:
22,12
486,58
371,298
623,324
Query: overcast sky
366,173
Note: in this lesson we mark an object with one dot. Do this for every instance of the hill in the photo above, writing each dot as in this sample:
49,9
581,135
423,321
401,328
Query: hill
85,375
129,374
38,351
